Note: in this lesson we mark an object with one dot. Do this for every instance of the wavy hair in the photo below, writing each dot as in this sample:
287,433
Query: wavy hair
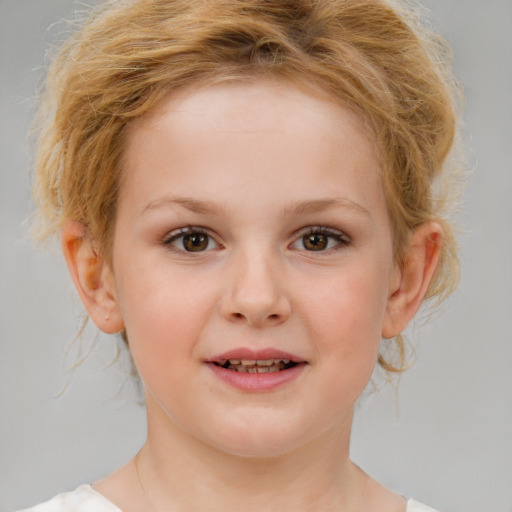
372,56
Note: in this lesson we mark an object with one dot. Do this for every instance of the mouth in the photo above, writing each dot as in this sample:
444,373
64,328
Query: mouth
256,371
256,365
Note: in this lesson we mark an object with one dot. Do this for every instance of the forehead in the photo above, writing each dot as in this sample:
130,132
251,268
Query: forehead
226,134
232,98
268,105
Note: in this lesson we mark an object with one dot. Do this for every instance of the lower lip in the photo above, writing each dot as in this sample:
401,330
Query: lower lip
257,382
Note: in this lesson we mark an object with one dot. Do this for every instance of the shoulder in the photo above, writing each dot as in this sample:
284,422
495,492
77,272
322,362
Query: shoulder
82,499
415,506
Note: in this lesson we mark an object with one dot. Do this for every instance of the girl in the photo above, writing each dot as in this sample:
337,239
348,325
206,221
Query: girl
252,194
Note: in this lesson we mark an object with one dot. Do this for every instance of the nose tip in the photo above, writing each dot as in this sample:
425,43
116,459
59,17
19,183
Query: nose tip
256,315
256,294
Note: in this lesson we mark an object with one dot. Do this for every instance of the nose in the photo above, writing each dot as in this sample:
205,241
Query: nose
256,292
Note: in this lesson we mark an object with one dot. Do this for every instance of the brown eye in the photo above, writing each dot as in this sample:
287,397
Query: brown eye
195,242
315,241
321,239
191,239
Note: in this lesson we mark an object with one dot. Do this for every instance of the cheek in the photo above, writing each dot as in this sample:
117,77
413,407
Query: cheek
164,316
347,335
345,325
349,312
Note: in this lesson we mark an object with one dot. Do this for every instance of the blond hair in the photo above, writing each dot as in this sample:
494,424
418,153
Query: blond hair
371,56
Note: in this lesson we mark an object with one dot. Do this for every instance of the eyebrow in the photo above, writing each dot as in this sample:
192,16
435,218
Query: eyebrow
300,208
193,205
320,205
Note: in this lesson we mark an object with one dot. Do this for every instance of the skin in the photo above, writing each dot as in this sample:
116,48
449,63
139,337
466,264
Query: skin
256,167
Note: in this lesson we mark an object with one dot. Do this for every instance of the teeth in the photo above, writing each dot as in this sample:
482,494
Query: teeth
253,362
262,369
254,365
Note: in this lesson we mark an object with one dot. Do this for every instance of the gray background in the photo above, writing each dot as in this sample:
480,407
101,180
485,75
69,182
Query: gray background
445,437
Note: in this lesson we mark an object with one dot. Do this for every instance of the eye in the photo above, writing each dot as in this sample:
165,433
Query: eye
190,239
321,239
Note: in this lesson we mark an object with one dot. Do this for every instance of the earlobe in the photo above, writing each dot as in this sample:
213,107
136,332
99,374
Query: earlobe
92,277
416,273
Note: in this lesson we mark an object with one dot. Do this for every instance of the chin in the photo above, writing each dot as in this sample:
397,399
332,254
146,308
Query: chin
259,439
258,447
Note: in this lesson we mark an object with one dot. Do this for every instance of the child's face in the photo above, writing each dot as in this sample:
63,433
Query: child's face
252,224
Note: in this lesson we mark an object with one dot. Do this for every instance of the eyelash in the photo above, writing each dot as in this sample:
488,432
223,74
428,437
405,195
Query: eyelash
339,237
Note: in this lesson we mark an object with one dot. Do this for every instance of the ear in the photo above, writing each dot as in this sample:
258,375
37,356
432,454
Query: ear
92,277
413,278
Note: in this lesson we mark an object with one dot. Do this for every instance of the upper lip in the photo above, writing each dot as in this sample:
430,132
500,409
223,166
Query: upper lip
253,354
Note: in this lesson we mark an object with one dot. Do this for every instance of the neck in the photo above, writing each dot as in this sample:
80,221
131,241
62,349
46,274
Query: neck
173,466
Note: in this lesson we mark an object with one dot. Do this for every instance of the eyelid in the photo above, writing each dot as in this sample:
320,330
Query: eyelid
175,233
324,230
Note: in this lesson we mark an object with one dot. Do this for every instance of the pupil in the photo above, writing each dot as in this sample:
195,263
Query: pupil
195,242
315,242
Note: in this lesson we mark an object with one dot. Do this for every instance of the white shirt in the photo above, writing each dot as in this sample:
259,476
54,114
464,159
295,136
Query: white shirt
86,499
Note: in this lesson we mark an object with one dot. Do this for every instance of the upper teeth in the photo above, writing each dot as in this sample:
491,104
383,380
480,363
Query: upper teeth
254,362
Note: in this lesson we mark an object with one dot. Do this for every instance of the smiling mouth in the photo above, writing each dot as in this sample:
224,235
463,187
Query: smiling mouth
256,365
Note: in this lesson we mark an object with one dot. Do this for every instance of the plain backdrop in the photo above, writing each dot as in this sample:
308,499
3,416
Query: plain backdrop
445,437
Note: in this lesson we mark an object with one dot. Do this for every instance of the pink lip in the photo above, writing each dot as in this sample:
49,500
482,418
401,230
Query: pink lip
256,382
248,353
